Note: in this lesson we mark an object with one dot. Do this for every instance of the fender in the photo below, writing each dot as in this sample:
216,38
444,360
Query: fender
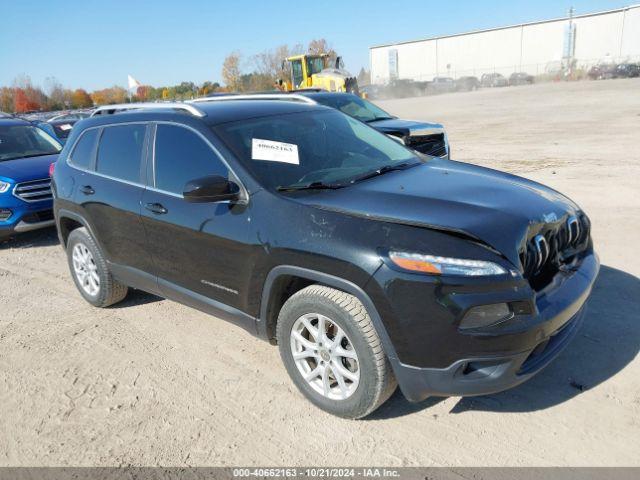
330,281
64,213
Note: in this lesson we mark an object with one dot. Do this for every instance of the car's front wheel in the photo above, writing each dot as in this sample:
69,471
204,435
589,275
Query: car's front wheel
90,271
333,353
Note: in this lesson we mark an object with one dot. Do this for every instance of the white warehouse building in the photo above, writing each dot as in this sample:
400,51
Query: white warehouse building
536,48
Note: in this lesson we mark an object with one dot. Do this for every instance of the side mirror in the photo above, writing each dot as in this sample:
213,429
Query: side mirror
212,188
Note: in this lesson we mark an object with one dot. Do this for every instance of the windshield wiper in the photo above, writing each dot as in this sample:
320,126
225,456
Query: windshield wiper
385,169
310,186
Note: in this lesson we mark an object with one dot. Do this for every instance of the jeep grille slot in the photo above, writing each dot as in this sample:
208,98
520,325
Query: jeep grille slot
433,145
553,246
34,191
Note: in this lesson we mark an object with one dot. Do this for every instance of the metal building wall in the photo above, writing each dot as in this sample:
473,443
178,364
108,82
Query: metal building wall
535,48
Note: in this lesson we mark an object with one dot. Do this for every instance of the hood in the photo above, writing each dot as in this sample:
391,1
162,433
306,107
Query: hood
25,169
406,127
494,207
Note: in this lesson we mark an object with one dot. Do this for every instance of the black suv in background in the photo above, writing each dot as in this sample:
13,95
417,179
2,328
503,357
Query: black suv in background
369,264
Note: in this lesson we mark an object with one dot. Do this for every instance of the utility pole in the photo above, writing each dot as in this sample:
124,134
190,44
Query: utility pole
570,43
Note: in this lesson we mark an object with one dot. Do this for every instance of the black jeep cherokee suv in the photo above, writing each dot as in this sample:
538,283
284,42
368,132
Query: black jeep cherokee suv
366,262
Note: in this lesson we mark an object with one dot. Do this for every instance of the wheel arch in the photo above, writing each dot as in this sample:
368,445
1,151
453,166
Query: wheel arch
67,222
285,280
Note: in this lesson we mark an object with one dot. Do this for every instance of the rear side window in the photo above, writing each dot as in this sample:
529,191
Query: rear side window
181,156
82,155
120,152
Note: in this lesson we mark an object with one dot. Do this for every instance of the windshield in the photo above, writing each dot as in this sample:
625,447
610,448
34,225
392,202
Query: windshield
20,141
314,65
322,147
353,106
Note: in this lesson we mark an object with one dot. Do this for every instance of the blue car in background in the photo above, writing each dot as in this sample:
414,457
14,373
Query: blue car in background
26,155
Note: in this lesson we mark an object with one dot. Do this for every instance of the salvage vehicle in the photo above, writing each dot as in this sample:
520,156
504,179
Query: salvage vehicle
467,84
520,78
369,265
428,138
603,71
441,85
626,70
493,80
58,129
26,154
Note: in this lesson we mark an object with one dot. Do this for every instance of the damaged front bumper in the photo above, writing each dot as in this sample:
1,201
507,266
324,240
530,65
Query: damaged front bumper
501,358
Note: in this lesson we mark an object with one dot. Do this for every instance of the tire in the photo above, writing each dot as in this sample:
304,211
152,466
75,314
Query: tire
340,312
108,291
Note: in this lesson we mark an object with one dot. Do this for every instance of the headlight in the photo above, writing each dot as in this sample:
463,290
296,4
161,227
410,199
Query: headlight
434,265
4,186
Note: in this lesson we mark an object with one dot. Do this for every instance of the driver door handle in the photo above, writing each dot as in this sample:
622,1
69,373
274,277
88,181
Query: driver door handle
156,208
87,190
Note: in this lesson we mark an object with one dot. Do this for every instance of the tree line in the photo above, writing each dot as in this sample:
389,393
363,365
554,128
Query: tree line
258,72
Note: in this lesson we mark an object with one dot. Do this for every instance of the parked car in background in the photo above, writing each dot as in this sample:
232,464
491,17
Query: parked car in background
5,115
602,71
59,129
493,80
402,88
467,84
69,116
441,85
425,137
26,155
520,78
626,70
369,265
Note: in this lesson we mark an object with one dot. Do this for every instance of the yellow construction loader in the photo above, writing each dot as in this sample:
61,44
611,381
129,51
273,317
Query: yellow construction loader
317,71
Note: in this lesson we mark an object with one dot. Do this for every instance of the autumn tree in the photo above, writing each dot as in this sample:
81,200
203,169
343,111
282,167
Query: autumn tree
22,103
6,99
142,93
231,71
81,99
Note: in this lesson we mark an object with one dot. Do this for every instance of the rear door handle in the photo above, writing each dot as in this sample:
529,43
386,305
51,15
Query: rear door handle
87,190
156,208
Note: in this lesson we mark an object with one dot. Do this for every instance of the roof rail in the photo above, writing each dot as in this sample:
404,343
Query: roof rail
110,109
257,96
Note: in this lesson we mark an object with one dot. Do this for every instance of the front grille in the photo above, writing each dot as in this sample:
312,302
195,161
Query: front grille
433,145
34,191
553,246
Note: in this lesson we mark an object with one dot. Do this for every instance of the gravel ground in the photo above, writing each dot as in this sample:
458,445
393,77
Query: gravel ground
151,382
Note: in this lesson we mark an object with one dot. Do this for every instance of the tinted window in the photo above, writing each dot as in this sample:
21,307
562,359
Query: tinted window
120,152
22,141
82,154
182,156
323,146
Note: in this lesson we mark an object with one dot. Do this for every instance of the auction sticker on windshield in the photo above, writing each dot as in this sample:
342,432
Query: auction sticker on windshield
274,151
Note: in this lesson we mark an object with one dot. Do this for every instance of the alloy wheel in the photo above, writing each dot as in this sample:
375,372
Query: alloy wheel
85,269
325,356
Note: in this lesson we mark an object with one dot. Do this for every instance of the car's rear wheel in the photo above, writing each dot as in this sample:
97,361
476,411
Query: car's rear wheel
333,353
90,271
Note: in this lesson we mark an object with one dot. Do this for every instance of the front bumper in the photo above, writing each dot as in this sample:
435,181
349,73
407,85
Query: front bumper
431,357
27,219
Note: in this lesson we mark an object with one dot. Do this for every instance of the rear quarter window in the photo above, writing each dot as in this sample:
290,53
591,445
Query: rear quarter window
120,152
84,150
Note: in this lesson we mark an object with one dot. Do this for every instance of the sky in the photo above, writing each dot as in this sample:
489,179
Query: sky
94,44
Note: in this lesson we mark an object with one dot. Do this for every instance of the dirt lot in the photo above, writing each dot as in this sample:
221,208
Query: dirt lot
151,382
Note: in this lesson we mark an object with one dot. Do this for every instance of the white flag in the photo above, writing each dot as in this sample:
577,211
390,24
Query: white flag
133,83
